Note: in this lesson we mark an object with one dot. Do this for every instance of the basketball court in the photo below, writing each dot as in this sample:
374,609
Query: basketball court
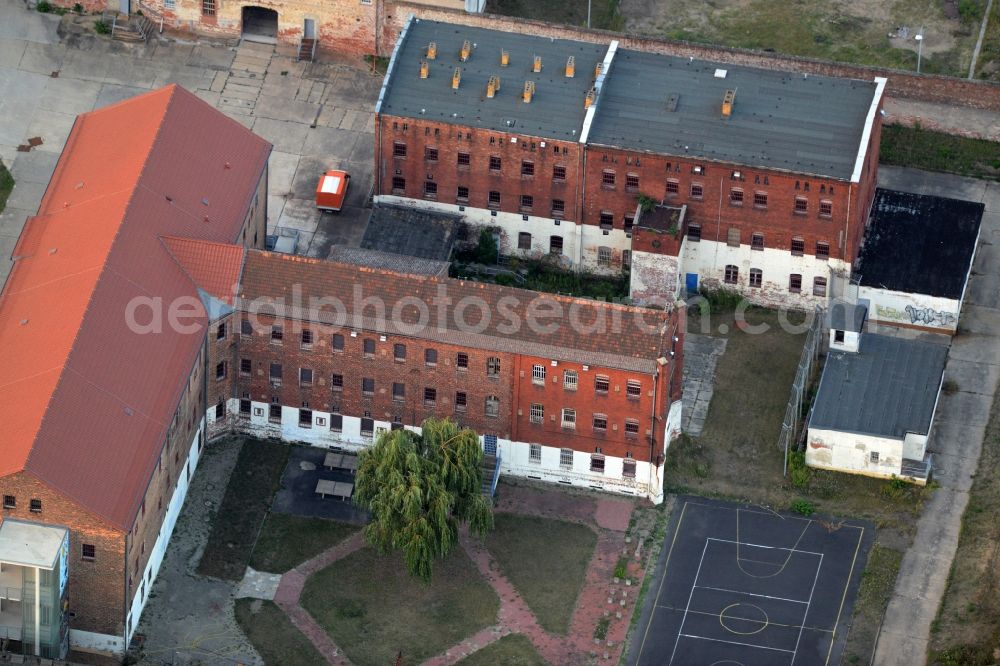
741,585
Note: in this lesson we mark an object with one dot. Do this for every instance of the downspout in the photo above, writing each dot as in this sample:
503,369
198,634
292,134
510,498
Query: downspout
653,475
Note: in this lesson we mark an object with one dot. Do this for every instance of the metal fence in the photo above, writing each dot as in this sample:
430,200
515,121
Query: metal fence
795,412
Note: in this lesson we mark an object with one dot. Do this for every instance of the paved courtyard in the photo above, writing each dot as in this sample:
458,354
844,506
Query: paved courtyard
317,115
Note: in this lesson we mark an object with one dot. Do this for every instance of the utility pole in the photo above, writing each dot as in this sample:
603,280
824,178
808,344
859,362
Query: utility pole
589,3
920,46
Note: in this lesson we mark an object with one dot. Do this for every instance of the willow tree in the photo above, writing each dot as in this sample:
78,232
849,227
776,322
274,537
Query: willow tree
420,489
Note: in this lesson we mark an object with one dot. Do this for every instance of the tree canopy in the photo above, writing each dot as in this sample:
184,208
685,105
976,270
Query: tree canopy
419,489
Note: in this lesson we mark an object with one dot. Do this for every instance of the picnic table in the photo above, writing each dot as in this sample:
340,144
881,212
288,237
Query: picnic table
333,460
350,463
339,489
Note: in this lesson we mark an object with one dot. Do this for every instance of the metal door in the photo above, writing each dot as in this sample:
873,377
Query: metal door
309,29
490,445
691,283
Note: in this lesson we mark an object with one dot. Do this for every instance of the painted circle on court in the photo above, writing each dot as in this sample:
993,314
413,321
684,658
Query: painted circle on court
743,619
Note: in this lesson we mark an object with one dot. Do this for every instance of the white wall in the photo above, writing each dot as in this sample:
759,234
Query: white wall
654,276
897,308
88,641
851,343
851,452
709,259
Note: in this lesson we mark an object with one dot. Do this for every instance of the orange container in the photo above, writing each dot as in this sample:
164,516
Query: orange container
332,190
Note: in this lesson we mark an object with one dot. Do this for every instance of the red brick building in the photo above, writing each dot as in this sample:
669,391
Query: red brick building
561,389
104,398
553,143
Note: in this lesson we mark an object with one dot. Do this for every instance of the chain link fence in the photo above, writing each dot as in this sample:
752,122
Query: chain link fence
795,417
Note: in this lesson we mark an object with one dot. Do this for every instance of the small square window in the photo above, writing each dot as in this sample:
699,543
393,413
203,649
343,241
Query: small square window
431,154
566,458
527,168
535,454
602,384
632,182
337,382
398,149
431,357
367,386
873,456
494,163
600,422
307,339
9,502
463,159
462,361
369,347
462,194
88,551
277,334
537,413
430,395
36,506
795,283
337,342
559,173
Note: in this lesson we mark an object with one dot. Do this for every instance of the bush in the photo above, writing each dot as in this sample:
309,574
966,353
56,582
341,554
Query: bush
102,28
78,8
722,300
487,250
620,570
798,470
803,508
44,6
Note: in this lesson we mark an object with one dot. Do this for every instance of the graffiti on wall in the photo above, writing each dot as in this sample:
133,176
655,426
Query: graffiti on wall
917,316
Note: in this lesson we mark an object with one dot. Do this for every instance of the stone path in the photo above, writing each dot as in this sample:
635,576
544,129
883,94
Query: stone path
701,354
958,431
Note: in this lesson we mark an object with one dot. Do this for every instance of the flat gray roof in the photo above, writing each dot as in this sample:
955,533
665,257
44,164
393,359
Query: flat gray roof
887,389
780,120
30,544
387,261
847,316
556,111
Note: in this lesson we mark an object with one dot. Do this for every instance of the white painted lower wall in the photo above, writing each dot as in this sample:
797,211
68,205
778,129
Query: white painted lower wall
897,308
88,641
708,260
851,452
514,456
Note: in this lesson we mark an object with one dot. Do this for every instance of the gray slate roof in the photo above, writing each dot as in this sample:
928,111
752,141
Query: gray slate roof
555,112
780,120
387,261
887,389
411,231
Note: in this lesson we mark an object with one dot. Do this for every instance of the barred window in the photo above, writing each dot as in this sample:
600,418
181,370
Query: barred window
566,458
633,389
631,428
538,374
568,418
600,422
602,383
208,7
535,453
492,406
398,149
570,379
537,413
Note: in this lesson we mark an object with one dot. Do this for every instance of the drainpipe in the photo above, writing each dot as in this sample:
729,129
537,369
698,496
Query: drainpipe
652,436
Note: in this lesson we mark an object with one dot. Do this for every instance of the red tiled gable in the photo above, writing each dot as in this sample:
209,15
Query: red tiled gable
213,267
87,402
631,339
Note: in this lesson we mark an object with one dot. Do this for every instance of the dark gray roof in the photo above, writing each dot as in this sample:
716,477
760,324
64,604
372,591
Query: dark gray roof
411,232
780,120
847,316
387,261
660,218
919,244
555,112
887,389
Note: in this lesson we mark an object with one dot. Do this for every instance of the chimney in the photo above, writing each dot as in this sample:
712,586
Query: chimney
432,50
492,86
536,65
456,78
425,69
598,68
570,67
504,57
727,103
529,91
588,101
466,51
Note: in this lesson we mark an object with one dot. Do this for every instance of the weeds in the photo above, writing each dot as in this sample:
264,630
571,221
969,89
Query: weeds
102,28
798,471
803,508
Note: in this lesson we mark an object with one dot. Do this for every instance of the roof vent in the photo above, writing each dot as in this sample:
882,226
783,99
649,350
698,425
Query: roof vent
529,91
204,202
24,322
53,250
598,68
719,73
536,64
128,411
672,101
432,50
588,101
466,51
79,185
456,78
492,86
425,69
570,67
504,57
727,103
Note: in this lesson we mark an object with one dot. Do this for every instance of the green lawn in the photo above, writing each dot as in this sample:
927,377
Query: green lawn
287,541
936,151
511,650
877,583
274,636
373,609
546,560
251,489
605,14
6,185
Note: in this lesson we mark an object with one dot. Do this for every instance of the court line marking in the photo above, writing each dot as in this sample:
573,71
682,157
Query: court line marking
757,508
843,599
747,619
749,594
688,606
808,606
788,559
757,545
750,645
663,580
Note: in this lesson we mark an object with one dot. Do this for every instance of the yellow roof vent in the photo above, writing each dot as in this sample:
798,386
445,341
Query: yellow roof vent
588,101
432,50
529,91
456,78
504,57
598,68
466,51
570,67
492,86
727,103
536,65
425,69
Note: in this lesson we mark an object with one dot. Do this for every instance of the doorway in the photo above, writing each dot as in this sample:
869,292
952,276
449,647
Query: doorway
259,25
309,29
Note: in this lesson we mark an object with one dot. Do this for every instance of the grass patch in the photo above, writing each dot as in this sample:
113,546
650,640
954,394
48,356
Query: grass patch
542,275
935,151
373,609
546,560
968,621
274,636
287,541
511,650
604,14
251,489
6,185
877,583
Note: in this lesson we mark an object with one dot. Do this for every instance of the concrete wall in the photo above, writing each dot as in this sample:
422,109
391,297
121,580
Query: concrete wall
911,310
851,452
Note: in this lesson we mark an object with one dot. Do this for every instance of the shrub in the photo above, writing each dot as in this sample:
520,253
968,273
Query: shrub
620,567
803,508
78,8
487,249
102,28
44,6
722,300
798,470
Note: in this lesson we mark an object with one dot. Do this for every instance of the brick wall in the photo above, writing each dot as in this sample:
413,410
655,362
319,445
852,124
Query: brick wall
418,136
928,88
95,590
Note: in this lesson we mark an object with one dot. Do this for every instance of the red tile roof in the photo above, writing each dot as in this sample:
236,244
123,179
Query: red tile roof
566,328
86,401
213,267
